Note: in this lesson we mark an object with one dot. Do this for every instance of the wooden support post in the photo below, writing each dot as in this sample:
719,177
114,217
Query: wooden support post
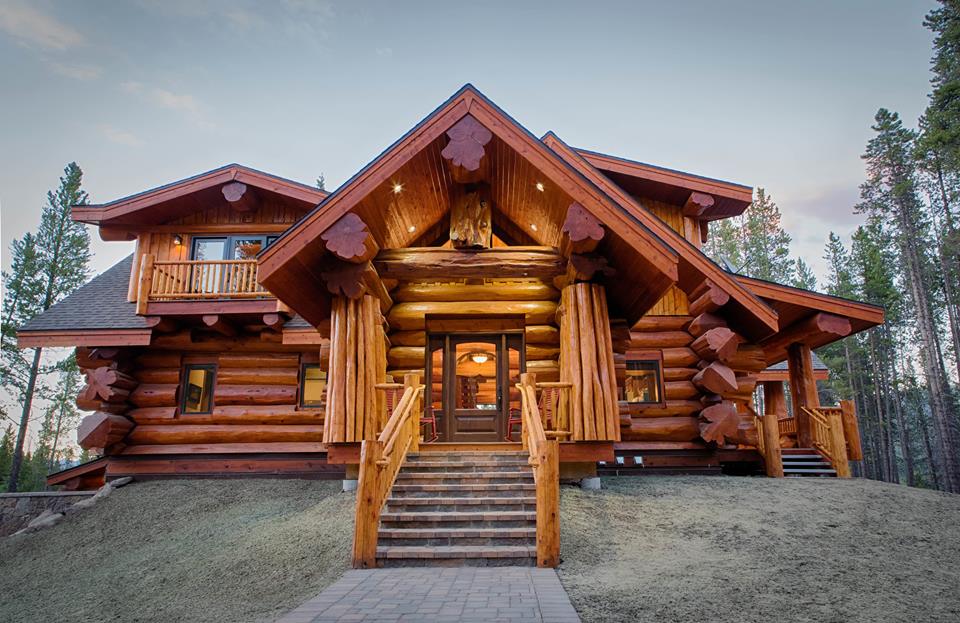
851,430
772,456
146,283
803,389
838,445
548,505
367,513
471,217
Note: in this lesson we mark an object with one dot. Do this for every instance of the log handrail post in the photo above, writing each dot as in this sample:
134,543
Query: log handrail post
851,430
838,444
146,283
772,455
545,461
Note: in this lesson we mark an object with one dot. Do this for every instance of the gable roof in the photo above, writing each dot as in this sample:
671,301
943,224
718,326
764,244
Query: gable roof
146,206
670,185
754,317
286,264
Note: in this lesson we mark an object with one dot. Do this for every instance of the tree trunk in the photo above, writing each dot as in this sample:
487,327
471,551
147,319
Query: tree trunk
24,422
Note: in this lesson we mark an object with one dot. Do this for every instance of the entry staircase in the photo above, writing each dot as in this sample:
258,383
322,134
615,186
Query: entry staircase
806,463
468,509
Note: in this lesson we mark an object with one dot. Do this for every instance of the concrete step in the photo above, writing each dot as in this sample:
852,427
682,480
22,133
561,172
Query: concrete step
463,466
454,504
459,555
806,464
802,457
434,537
458,519
509,489
463,477
805,471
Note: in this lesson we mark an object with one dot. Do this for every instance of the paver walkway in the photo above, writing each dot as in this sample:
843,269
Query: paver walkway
441,594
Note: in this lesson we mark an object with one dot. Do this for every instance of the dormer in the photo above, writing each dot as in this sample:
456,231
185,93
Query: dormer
197,241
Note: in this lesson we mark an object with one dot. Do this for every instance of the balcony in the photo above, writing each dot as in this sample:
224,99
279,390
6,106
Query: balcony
165,285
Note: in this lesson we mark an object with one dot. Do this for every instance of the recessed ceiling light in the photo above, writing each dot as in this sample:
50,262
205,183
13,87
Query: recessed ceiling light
540,186
412,228
533,226
397,188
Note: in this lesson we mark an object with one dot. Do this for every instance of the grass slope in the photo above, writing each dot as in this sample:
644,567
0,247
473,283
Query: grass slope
754,549
200,550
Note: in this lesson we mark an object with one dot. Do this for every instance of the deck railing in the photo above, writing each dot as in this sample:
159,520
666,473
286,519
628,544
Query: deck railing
380,462
827,434
544,458
198,280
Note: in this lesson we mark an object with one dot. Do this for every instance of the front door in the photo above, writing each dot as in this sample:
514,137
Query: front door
471,376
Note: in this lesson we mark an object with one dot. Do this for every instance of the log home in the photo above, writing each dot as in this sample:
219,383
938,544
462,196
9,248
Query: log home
475,300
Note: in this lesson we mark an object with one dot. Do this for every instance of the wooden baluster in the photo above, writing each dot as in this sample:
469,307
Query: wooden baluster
413,381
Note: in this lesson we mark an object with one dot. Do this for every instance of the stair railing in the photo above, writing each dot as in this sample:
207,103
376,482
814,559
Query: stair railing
545,460
768,442
826,430
380,462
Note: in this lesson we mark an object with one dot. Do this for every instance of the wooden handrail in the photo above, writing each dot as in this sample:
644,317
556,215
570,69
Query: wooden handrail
768,442
544,458
826,430
380,462
199,279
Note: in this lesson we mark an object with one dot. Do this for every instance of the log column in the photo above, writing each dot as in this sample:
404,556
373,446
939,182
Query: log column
586,362
358,362
803,389
774,408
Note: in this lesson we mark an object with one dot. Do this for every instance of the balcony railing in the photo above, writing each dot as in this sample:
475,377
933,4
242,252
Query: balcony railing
197,280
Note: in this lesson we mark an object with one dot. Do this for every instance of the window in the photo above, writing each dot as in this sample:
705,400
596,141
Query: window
642,383
313,386
198,388
229,247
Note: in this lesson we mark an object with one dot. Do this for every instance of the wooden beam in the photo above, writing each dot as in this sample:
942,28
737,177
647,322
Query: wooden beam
581,231
240,197
161,324
803,389
350,240
353,280
707,298
697,203
583,268
102,430
217,323
428,263
803,331
465,153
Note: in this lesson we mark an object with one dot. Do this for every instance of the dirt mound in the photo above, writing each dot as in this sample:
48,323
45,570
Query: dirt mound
186,550
755,549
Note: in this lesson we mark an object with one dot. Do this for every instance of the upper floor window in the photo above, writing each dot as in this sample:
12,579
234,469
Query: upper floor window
229,247
198,388
643,383
313,386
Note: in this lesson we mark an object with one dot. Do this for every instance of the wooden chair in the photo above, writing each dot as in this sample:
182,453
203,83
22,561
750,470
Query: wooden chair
514,418
548,404
429,420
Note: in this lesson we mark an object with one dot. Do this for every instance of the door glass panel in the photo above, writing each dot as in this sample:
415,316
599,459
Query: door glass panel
435,403
247,248
209,248
476,373
513,377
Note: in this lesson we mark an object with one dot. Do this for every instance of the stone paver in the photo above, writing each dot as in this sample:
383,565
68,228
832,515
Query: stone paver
439,594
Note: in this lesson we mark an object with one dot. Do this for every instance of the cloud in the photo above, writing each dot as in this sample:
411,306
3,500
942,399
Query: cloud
385,52
121,137
75,71
175,101
179,102
35,28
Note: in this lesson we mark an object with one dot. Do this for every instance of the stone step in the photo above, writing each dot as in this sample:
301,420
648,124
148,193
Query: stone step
806,464
458,519
436,537
482,555
802,471
802,457
471,467
453,504
460,477
507,490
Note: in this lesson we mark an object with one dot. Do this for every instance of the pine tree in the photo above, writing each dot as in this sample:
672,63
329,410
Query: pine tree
766,246
62,409
63,250
941,120
804,277
6,453
321,182
891,192
725,244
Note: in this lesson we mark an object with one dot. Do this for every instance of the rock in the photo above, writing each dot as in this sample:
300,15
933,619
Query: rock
119,482
44,520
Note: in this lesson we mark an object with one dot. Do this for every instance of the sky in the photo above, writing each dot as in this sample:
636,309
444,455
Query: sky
141,93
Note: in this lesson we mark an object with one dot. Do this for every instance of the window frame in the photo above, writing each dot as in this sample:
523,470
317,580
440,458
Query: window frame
229,241
647,356
303,382
184,383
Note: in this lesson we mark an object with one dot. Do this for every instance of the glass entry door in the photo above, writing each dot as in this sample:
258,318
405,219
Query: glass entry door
471,376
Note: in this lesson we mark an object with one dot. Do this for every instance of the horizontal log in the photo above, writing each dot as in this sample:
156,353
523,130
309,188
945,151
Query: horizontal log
679,374
680,390
802,332
159,359
748,358
533,334
667,408
151,414
186,343
708,298
258,360
155,395
716,378
679,428
407,316
235,414
163,376
420,264
413,356
255,376
254,394
679,357
662,323
704,322
451,292
719,343
224,433
101,430
659,339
